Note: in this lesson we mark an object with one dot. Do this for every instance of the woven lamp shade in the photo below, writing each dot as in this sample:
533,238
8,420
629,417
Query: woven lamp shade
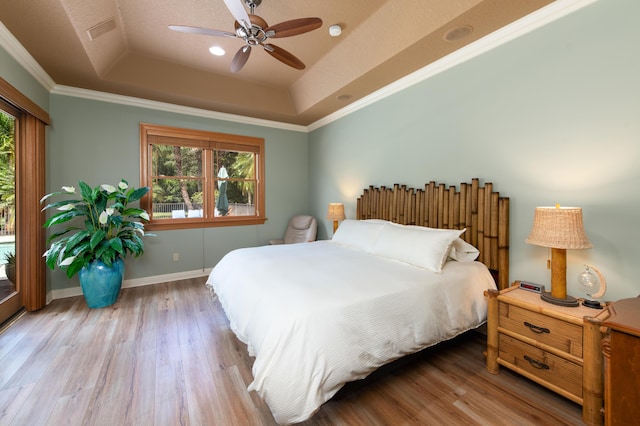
559,227
336,211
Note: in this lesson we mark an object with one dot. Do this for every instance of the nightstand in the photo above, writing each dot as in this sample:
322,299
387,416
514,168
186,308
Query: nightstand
558,347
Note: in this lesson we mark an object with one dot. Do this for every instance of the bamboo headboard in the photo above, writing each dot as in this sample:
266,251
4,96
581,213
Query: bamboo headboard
479,209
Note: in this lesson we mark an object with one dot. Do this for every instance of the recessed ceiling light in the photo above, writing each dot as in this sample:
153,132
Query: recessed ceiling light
335,30
458,33
217,51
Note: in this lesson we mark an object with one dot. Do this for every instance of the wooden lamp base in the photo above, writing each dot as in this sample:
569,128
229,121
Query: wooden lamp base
565,301
558,294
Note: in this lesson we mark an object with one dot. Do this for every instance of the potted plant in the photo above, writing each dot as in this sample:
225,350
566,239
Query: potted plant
110,230
10,266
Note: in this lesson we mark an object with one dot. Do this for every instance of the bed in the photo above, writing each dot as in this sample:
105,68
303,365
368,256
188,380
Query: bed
398,279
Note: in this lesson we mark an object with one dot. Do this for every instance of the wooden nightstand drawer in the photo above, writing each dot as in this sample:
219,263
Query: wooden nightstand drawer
546,366
550,331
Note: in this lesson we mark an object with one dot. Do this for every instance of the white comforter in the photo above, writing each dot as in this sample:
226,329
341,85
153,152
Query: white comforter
318,315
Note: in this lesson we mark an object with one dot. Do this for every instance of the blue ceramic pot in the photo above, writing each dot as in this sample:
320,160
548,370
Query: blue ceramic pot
101,283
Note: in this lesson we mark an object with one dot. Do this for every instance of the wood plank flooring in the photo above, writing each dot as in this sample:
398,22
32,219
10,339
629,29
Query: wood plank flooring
164,355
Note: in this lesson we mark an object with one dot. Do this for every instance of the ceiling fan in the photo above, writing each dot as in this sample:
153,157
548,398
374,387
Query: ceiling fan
255,32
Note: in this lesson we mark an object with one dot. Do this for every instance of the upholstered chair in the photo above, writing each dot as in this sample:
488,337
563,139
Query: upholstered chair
301,229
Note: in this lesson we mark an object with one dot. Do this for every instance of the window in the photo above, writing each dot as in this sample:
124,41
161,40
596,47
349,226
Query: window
201,179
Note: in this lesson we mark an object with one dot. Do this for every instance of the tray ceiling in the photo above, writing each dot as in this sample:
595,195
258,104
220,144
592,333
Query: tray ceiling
124,47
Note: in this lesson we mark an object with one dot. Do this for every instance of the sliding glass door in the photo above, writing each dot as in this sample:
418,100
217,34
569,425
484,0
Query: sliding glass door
10,292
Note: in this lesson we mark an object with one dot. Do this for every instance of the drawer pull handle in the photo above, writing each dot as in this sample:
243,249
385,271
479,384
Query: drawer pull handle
536,328
535,363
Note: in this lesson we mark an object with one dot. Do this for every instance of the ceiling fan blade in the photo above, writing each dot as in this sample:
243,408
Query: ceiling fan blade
203,31
239,13
284,56
240,58
293,27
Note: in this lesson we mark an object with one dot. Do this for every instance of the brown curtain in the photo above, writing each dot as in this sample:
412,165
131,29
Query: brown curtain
30,187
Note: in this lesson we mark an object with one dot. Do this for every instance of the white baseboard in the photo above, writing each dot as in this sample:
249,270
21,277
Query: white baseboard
136,282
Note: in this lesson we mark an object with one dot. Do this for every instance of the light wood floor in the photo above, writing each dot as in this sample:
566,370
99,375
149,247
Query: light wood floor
164,355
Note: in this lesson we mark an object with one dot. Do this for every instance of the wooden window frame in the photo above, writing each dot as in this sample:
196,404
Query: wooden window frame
209,141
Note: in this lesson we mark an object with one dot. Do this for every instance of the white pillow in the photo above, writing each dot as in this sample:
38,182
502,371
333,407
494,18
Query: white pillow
358,234
462,251
377,221
419,246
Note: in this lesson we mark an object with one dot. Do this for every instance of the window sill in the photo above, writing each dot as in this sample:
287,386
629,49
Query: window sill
195,223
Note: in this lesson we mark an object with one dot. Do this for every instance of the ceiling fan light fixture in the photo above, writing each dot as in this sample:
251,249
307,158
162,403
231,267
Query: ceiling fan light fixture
217,51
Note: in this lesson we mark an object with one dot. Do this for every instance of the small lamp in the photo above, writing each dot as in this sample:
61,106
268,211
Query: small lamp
336,213
559,228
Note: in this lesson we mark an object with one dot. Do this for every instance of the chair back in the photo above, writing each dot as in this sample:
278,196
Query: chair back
301,229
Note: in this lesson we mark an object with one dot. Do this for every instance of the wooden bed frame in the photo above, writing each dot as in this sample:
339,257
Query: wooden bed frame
482,211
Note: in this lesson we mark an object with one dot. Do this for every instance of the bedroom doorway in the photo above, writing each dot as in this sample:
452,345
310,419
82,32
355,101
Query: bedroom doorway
10,292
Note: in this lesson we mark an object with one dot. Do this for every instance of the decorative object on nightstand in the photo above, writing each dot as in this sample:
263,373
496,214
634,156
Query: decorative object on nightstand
559,228
336,213
589,280
558,347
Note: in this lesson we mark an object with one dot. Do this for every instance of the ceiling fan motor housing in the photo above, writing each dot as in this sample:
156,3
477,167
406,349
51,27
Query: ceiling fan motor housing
254,35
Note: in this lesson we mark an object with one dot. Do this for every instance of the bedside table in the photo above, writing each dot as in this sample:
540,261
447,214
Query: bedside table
558,347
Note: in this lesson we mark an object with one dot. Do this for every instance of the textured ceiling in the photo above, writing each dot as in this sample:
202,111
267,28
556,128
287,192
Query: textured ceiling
130,50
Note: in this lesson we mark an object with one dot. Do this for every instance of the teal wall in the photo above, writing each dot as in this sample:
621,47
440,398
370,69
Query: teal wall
550,117
14,74
99,142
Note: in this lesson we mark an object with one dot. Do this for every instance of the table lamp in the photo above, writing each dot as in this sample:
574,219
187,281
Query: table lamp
559,228
336,213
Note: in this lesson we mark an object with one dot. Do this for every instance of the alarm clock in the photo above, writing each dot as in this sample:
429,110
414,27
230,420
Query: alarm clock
529,286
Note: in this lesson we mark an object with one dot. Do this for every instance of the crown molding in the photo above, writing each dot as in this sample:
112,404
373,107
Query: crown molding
24,58
168,107
510,32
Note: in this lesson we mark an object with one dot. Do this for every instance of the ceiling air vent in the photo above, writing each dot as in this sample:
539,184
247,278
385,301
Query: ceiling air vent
102,28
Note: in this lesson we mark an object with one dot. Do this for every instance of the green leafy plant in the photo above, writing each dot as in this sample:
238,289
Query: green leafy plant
111,229
10,258
10,266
